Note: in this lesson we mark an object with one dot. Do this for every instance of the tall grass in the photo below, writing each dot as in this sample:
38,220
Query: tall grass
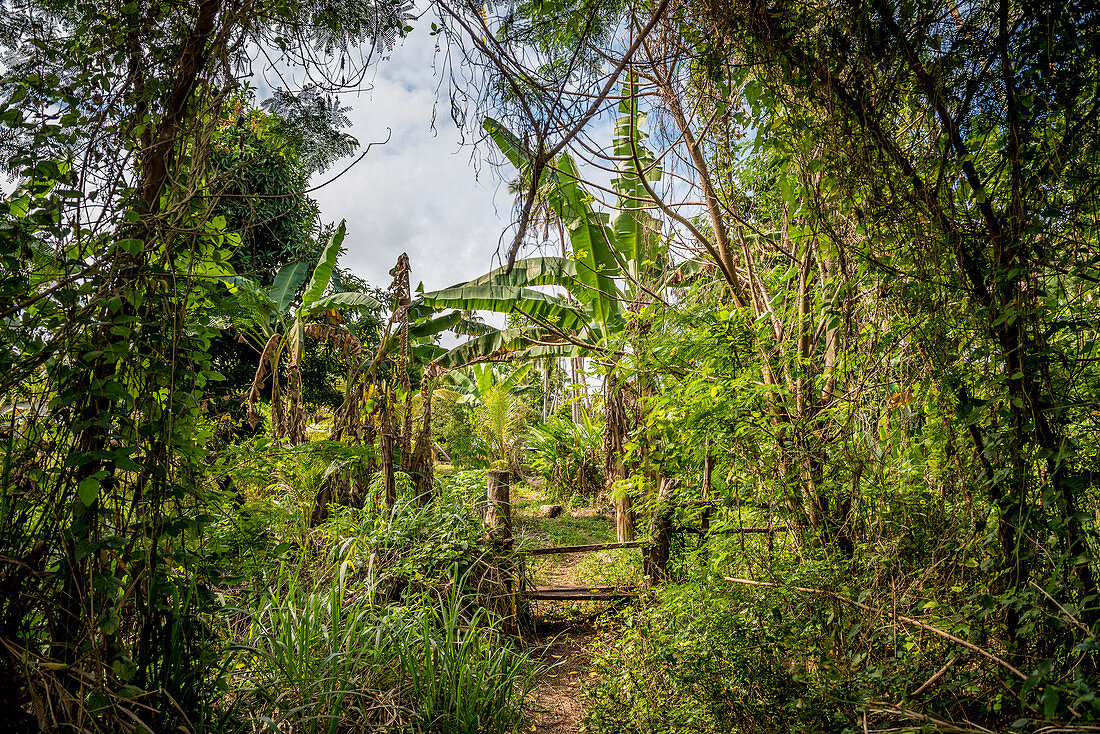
463,679
327,656
316,658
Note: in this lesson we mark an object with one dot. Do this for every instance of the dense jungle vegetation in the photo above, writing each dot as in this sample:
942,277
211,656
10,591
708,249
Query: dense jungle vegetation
803,294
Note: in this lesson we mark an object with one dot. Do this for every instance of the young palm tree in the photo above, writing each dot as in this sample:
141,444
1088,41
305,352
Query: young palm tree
501,421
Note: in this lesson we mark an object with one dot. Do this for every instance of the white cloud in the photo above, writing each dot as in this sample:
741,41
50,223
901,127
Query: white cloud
419,193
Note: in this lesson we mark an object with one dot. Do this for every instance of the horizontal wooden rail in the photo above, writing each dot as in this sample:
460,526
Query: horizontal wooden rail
580,548
733,531
722,503
580,593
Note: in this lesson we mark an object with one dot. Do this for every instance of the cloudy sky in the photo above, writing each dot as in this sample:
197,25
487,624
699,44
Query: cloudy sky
419,193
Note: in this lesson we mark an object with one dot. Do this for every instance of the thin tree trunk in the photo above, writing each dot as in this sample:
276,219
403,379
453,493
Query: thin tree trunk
386,443
614,468
656,554
498,513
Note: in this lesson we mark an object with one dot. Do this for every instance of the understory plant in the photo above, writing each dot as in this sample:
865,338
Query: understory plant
569,456
464,677
383,622
704,662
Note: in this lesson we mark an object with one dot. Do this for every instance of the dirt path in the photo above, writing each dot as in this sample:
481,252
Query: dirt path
557,702
562,644
561,641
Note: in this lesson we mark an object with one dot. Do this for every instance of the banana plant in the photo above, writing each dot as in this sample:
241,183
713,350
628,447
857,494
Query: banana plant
282,318
471,384
610,261
609,258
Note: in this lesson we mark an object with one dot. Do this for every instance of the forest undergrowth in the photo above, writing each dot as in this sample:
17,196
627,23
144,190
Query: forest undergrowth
799,309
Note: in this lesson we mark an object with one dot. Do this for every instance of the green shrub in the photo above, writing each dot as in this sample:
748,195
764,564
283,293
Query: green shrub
465,489
381,623
569,456
454,427
700,662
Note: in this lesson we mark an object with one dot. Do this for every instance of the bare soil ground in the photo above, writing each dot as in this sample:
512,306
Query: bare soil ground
557,702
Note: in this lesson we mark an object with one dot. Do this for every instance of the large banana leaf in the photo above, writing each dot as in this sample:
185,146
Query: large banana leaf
635,229
287,282
348,299
512,148
499,344
425,353
517,374
533,271
431,327
544,308
466,384
507,344
590,237
593,273
322,274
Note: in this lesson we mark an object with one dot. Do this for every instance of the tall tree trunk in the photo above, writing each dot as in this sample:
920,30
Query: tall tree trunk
421,460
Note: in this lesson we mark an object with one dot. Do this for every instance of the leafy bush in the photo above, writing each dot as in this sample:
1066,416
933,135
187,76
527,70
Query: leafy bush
453,427
704,663
569,456
465,488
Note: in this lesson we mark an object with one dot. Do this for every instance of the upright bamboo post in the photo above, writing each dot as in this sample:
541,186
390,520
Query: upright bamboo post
498,514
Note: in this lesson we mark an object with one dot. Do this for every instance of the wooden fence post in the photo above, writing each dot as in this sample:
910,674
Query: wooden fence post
498,514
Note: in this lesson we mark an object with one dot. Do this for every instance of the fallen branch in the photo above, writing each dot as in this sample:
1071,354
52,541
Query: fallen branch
935,677
968,727
894,615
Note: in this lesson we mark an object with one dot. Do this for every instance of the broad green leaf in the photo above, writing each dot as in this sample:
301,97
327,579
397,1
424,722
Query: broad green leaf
425,353
591,239
322,274
498,345
636,231
462,381
533,271
507,345
347,299
287,282
509,144
431,327
589,233
88,490
517,374
542,307
484,377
